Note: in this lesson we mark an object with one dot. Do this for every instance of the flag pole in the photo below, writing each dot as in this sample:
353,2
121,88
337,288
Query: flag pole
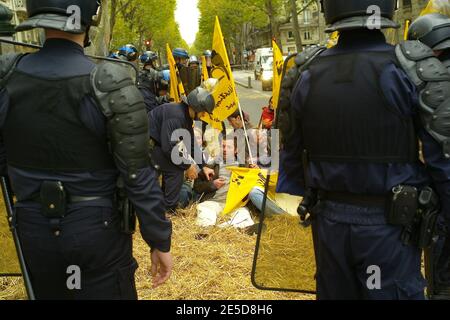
246,134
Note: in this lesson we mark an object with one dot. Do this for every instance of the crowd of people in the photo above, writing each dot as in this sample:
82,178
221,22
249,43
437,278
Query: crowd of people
77,136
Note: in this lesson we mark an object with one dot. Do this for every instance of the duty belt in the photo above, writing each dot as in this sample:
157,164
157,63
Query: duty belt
71,199
354,199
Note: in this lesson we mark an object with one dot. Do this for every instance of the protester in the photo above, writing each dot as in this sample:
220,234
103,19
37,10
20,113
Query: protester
209,211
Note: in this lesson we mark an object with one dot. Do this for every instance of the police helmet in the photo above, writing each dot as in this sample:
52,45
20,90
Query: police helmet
193,60
433,30
201,99
207,53
59,15
353,14
180,53
129,52
148,57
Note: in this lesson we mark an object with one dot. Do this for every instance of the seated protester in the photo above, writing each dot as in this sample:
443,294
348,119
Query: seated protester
188,194
217,190
206,189
257,138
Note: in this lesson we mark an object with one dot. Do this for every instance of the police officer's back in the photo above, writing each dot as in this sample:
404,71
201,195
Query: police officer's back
70,129
353,144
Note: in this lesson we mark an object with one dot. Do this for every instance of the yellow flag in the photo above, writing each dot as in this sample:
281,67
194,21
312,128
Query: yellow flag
277,73
333,40
205,74
176,86
242,181
437,6
405,32
225,93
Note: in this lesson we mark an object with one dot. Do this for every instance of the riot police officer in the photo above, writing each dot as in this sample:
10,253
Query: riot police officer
350,135
208,57
150,60
434,31
170,120
150,80
69,129
181,57
128,53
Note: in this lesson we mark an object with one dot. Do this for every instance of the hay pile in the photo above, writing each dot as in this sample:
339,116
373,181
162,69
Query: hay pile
209,264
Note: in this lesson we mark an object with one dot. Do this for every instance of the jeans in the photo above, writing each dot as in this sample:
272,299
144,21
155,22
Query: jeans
257,197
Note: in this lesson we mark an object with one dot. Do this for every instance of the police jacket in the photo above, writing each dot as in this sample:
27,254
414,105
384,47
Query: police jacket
75,126
399,97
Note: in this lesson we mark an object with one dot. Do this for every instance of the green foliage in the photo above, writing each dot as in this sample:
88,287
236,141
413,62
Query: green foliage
232,14
139,20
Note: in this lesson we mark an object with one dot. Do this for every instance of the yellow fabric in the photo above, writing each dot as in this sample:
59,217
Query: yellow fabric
176,86
333,40
405,34
242,181
205,75
225,94
437,6
277,73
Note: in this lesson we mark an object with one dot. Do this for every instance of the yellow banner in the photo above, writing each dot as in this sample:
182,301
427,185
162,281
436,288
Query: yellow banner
205,75
405,32
225,93
437,6
242,181
278,63
176,86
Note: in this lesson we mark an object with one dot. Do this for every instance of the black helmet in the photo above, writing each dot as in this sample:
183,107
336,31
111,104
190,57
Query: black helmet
61,15
148,57
353,14
201,99
129,52
433,30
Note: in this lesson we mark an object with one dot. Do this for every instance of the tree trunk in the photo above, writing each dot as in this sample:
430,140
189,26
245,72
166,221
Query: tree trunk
295,26
101,35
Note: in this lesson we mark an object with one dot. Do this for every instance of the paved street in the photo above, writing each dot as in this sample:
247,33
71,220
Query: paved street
252,100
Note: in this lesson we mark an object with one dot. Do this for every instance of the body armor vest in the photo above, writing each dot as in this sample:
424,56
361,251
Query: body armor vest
43,129
346,117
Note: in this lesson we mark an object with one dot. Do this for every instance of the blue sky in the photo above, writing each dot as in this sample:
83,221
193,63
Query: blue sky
187,16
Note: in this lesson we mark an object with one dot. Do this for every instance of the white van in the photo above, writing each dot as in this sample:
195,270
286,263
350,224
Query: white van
263,61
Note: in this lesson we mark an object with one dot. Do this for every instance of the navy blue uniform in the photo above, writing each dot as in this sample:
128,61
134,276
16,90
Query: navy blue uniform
89,236
165,120
351,238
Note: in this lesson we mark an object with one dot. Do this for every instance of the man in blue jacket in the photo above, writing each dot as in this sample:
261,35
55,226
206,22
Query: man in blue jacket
69,130
351,136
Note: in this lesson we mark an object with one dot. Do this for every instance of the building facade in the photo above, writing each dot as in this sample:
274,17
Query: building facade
18,8
312,26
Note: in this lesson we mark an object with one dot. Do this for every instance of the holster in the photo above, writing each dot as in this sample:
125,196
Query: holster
415,211
53,198
126,210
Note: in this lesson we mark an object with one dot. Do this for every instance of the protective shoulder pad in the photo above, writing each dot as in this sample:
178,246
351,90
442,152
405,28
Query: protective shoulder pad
123,105
306,57
433,83
7,65
420,64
